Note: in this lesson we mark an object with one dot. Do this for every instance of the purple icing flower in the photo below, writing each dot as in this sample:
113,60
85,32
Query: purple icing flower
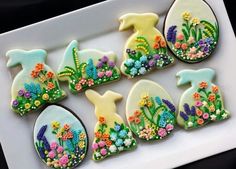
133,52
201,42
151,63
156,56
99,64
15,103
206,49
128,50
21,93
104,59
111,64
27,95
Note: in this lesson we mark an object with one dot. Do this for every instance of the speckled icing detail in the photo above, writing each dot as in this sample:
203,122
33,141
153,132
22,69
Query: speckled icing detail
87,68
202,103
111,135
150,111
146,48
36,84
191,30
60,138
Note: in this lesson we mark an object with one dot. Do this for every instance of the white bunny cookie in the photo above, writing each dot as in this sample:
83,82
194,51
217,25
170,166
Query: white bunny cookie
111,134
36,84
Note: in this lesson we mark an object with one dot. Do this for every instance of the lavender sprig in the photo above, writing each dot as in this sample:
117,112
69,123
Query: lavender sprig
41,132
193,111
171,34
46,144
169,105
184,116
41,152
187,109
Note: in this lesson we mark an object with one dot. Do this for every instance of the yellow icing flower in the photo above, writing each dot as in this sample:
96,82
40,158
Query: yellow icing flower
45,96
37,103
142,103
186,15
55,125
81,144
195,21
27,105
82,136
145,96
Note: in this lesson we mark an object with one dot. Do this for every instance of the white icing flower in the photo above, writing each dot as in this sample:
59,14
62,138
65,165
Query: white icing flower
121,148
204,103
217,111
97,154
127,142
213,117
224,115
190,124
112,148
130,134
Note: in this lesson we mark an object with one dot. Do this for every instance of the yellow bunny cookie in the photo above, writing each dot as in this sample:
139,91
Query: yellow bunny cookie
146,48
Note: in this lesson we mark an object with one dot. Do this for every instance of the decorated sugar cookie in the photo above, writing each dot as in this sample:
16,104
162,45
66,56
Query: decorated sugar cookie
202,103
111,135
150,111
87,68
60,138
146,49
36,84
191,30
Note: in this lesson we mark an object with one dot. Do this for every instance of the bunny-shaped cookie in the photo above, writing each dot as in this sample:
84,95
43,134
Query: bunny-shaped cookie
146,48
202,103
87,68
111,134
35,84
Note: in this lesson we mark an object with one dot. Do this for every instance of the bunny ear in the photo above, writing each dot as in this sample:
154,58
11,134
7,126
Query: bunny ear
126,21
184,76
113,95
92,96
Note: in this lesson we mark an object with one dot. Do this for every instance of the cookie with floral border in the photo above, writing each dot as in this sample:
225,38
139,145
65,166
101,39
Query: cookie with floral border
60,138
191,30
87,68
146,49
150,111
36,84
202,103
111,135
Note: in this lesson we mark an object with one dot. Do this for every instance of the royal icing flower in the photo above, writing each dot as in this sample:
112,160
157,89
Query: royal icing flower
53,145
95,146
27,106
39,67
212,97
186,15
203,85
45,96
51,154
109,73
50,75
215,89
177,45
195,21
191,40
15,103
205,116
101,74
50,86
82,81
198,103
127,142
199,112
184,46
34,74
78,86
162,132
37,103
180,36
196,96
200,121
169,127
113,148
102,120
60,149
55,125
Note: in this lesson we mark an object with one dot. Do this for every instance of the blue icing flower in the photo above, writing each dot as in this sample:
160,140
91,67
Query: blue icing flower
123,133
113,136
209,40
137,64
129,62
143,59
158,100
117,127
133,71
119,142
162,122
142,70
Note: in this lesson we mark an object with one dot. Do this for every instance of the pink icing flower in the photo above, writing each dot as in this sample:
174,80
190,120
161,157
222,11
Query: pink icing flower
184,46
198,103
53,145
95,146
177,45
90,82
101,143
63,160
83,81
169,127
51,154
180,36
109,73
100,74
60,149
162,132
200,54
192,50
103,151
205,116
